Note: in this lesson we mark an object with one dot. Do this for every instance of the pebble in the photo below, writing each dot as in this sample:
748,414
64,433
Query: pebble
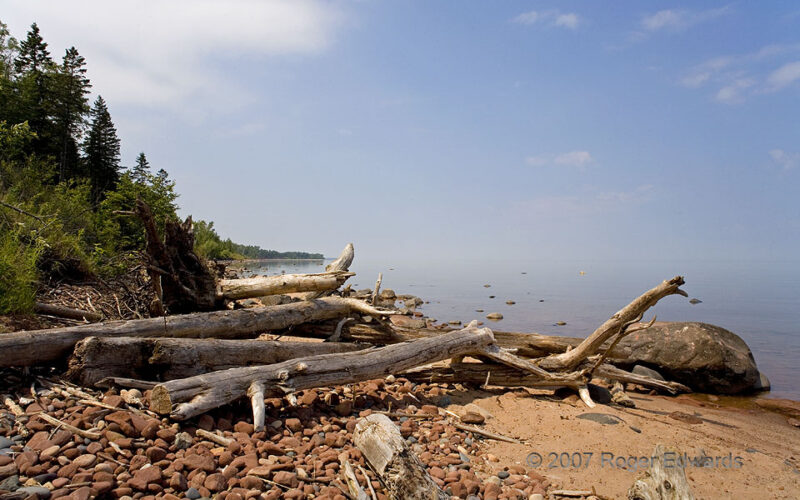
192,494
40,491
503,474
494,316
6,443
183,440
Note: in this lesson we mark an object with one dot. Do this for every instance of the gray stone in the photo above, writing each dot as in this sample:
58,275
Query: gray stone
192,493
705,357
40,491
6,443
599,394
10,483
600,418
647,372
503,474
762,384
183,440
695,301
463,457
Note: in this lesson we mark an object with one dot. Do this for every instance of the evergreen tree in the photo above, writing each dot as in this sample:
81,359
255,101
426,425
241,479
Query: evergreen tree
34,68
71,89
33,55
101,152
8,51
141,171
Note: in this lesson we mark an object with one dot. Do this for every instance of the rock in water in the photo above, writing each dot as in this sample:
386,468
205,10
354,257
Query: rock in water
705,357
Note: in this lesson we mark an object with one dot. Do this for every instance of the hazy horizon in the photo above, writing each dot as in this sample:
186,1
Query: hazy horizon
545,130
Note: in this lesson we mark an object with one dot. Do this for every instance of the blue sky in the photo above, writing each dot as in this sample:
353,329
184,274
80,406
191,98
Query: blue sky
549,130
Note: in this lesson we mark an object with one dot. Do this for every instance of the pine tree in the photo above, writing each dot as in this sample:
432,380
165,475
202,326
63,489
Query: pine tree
101,152
71,89
34,69
33,55
141,171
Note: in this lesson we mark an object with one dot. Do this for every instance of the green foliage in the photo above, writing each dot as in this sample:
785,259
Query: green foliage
102,152
18,272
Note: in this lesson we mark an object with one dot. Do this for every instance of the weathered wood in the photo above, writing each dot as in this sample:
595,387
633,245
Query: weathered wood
505,376
342,263
33,347
665,479
185,398
260,286
389,456
66,312
175,270
624,317
96,358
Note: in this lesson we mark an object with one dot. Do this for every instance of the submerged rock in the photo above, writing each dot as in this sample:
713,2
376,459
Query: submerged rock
495,316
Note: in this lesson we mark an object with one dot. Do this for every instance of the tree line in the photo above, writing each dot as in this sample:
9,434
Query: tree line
65,197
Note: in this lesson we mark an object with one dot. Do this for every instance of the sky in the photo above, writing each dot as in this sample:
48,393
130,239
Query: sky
476,130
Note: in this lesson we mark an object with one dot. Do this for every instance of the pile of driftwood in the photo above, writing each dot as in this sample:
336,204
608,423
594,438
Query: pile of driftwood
198,361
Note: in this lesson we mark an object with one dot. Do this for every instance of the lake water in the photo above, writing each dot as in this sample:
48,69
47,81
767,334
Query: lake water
760,301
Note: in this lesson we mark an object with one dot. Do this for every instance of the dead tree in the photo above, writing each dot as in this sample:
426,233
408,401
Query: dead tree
399,468
28,348
96,358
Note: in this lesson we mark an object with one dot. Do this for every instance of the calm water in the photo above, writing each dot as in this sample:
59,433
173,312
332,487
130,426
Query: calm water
758,301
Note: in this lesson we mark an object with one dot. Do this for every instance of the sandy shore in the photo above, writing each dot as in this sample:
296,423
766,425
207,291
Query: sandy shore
769,447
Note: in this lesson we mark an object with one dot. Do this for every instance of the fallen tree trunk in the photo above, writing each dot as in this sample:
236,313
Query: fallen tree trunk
389,456
481,374
260,286
66,312
342,263
185,398
615,325
33,347
96,358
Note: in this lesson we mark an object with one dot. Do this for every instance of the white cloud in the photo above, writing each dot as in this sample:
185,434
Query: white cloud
784,76
589,203
156,53
738,76
786,160
733,93
679,20
568,20
572,159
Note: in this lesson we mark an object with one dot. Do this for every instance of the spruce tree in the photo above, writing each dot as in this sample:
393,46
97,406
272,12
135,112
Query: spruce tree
34,69
141,171
33,55
71,88
101,152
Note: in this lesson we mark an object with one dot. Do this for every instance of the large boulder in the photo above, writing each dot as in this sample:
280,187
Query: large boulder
705,357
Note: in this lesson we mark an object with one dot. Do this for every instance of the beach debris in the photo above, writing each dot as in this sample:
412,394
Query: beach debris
660,481
685,417
510,302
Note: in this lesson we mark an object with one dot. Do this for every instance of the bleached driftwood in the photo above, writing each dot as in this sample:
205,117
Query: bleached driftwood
342,263
185,398
665,479
614,326
33,347
389,456
260,286
96,358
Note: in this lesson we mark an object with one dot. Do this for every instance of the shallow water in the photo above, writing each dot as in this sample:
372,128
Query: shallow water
760,301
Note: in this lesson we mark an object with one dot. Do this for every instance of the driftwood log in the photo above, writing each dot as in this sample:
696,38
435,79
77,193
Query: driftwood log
34,347
341,264
389,456
260,286
185,398
66,312
665,479
96,358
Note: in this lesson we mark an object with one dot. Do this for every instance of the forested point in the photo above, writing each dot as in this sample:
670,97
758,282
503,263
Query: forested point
66,200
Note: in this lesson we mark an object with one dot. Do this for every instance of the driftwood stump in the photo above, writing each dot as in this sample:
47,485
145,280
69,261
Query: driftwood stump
662,481
400,469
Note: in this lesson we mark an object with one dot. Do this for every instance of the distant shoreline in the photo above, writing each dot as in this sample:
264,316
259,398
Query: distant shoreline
230,261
